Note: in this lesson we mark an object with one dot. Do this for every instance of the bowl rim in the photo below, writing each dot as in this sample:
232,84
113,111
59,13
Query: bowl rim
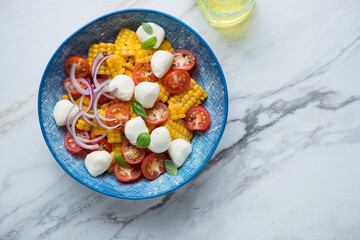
213,148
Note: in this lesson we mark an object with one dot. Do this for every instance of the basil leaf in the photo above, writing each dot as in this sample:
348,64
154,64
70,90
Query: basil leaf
149,44
147,28
120,160
143,140
170,167
139,109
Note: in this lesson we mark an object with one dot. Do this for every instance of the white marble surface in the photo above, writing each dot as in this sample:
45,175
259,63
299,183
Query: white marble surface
287,166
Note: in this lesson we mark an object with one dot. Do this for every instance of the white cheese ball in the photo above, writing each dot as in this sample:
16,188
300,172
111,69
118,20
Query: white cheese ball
160,140
146,93
62,109
133,128
158,32
98,162
125,87
179,150
161,62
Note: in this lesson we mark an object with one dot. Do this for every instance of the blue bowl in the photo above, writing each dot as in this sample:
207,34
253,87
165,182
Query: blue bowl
207,73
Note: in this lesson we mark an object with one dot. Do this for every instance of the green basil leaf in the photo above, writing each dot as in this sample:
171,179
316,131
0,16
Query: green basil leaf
170,167
139,109
147,28
149,44
120,160
143,140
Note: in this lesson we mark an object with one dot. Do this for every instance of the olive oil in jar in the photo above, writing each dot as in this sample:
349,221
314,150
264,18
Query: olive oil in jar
223,13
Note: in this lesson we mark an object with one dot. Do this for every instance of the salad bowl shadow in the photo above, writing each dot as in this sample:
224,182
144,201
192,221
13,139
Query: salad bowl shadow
207,73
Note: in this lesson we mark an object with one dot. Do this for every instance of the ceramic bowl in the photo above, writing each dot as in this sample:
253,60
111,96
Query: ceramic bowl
207,72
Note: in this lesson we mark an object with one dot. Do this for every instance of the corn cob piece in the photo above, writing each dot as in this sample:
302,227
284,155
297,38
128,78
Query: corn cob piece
164,94
82,125
114,135
143,55
97,131
106,48
115,65
179,104
66,97
125,43
178,129
129,63
117,147
166,46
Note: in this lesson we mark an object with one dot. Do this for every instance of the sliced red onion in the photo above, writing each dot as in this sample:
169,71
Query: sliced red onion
94,140
81,99
91,92
105,126
68,120
75,83
91,115
108,96
69,93
94,74
103,84
107,119
95,62
98,95
75,137
88,121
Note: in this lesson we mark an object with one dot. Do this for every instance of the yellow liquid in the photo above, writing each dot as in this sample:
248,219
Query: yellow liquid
222,13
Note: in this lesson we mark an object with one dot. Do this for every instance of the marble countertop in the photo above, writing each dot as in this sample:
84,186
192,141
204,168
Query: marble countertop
287,166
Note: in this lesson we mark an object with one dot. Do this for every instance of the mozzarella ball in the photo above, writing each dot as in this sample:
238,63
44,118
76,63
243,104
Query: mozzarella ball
158,32
146,93
160,140
161,62
179,150
133,128
62,109
125,87
98,162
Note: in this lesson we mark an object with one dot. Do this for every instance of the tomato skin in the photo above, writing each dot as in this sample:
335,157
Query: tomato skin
133,154
72,89
103,145
197,118
143,73
120,112
183,59
161,112
153,165
70,143
127,174
82,66
177,81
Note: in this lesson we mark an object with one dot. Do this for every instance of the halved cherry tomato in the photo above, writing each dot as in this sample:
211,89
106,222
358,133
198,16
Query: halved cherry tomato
103,145
133,154
120,112
82,66
72,89
177,81
159,113
183,59
197,118
142,73
103,99
70,143
153,165
127,174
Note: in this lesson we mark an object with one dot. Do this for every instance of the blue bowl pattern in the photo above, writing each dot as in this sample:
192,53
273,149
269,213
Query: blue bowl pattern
207,73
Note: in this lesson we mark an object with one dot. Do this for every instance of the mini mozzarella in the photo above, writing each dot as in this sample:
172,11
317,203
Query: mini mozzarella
62,109
158,32
161,62
146,93
133,128
98,162
179,151
160,140
125,87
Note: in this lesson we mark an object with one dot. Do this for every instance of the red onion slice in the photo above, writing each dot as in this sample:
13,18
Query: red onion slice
109,96
75,137
107,119
95,62
94,140
69,93
88,121
75,83
105,126
92,95
94,74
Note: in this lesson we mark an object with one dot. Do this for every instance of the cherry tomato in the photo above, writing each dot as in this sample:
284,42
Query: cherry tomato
70,143
103,99
103,145
72,89
82,66
197,118
133,154
177,81
159,113
120,112
142,73
127,174
153,165
183,59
